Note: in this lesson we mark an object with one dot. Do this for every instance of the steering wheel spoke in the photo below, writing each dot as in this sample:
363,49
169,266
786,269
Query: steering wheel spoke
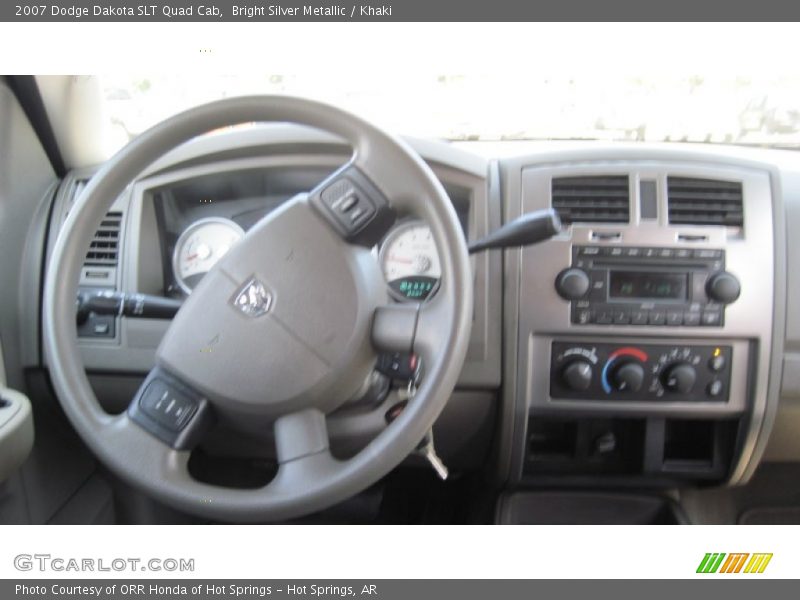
170,410
354,206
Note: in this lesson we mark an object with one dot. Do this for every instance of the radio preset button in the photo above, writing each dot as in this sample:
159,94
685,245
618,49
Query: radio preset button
621,317
711,318
674,318
639,317
604,317
691,319
707,253
589,251
656,317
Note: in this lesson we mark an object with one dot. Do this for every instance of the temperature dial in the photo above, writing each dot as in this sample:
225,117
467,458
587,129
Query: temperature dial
628,377
624,370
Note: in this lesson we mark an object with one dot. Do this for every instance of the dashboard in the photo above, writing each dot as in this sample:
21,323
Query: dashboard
648,343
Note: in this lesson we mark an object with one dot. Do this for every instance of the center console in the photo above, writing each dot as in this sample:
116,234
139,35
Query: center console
641,334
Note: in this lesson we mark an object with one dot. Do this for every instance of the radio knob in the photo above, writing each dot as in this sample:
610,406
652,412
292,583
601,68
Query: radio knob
723,287
628,377
572,283
679,378
577,375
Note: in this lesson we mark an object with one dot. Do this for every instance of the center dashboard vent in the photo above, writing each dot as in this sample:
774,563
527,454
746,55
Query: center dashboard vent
592,199
704,202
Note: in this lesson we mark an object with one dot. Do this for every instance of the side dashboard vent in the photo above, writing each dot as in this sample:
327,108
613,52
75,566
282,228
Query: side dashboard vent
705,202
593,199
104,248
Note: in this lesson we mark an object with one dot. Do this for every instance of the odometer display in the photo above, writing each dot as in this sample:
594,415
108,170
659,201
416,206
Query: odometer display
410,262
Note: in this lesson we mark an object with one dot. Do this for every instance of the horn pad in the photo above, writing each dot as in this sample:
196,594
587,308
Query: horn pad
282,321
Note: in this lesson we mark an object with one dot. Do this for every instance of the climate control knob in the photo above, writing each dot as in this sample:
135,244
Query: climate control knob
628,377
723,287
679,378
577,375
572,283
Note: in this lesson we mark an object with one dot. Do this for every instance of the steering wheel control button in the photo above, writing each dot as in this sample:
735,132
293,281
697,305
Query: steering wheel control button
170,410
354,206
167,406
572,284
349,205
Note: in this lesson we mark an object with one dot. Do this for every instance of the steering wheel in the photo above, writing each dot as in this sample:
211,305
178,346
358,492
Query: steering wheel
282,331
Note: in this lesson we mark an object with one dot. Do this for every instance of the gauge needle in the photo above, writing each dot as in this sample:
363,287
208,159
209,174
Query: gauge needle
192,256
406,261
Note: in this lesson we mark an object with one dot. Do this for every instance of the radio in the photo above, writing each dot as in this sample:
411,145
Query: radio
624,285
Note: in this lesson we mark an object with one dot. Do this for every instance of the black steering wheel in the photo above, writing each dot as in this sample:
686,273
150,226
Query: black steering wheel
282,331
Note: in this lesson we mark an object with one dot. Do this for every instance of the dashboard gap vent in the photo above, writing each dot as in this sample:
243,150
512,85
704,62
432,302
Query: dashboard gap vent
592,199
104,248
705,202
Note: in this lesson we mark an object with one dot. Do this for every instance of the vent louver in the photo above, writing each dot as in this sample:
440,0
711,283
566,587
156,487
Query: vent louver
594,199
704,202
104,248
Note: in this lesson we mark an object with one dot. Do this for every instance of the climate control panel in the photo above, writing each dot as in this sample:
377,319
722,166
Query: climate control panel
657,372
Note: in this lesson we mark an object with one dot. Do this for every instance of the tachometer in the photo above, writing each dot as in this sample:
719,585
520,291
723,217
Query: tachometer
410,262
199,248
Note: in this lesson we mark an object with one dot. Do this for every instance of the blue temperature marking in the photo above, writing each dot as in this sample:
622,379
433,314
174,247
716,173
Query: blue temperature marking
604,376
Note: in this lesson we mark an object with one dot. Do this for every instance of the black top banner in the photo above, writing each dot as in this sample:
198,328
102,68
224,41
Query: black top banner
398,10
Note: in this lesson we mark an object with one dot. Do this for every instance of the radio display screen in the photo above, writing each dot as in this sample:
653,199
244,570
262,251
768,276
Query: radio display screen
638,285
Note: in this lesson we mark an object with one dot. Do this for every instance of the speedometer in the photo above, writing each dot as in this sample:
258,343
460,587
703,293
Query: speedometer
410,262
199,248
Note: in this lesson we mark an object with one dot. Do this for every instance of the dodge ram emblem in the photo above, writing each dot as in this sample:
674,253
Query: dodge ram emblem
253,299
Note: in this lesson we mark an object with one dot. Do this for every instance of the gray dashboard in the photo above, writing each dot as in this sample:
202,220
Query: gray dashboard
505,386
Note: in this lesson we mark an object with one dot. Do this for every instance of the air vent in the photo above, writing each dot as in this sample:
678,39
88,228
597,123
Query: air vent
597,199
704,202
104,249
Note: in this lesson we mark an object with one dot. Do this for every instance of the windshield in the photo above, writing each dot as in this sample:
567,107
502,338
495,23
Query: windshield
697,108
